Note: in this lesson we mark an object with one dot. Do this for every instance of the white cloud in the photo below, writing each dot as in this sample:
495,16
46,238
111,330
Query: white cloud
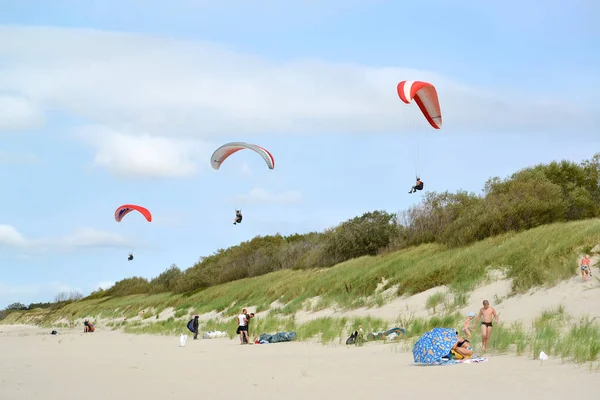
258,195
18,113
90,237
130,155
9,236
168,88
146,105
18,158
80,238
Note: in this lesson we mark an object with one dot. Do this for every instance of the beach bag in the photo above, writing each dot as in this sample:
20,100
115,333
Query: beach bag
182,340
190,325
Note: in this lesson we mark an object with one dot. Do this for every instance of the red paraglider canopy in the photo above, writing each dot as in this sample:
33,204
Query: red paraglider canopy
426,98
125,209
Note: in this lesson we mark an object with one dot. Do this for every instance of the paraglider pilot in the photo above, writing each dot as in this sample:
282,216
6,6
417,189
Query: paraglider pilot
238,217
418,186
130,257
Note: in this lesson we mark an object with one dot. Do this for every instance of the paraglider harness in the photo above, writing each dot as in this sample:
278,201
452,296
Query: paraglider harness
130,257
238,217
418,186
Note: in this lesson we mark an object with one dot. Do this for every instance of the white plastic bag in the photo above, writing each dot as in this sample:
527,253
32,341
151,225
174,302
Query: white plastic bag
182,340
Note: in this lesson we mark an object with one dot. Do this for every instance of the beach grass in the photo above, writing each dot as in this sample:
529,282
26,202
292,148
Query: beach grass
554,332
537,257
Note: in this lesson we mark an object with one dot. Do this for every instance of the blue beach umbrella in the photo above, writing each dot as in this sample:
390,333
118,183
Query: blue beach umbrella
434,345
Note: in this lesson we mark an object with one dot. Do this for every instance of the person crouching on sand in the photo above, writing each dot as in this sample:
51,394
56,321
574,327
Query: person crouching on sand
88,327
461,347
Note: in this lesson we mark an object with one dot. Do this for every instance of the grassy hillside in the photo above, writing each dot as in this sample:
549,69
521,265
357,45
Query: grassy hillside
539,256
535,196
532,225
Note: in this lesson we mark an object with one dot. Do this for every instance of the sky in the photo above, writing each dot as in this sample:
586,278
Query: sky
104,103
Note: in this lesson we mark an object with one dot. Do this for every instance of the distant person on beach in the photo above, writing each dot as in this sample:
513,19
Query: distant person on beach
585,268
195,325
485,314
242,329
467,325
88,327
248,318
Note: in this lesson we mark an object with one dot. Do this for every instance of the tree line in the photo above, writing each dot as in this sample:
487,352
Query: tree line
534,196
545,193
60,300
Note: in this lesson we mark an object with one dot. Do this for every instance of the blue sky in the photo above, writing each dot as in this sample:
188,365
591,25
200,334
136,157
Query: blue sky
123,102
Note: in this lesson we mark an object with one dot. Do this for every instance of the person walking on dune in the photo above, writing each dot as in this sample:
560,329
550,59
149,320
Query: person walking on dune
467,325
586,271
485,314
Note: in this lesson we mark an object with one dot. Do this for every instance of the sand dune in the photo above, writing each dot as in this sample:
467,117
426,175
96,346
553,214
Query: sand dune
113,365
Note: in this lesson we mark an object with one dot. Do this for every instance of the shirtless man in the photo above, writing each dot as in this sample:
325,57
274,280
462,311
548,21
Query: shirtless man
485,314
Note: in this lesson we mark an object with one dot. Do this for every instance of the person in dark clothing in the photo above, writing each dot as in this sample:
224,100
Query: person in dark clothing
195,325
248,318
238,217
130,257
418,186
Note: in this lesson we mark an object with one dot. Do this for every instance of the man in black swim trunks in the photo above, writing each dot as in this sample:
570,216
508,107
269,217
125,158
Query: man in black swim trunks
485,314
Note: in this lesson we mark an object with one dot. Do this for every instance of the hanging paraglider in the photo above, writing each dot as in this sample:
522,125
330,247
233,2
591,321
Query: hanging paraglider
426,97
238,217
223,152
418,186
125,209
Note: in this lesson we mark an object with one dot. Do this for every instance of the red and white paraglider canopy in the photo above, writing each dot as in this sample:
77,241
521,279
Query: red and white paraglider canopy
425,96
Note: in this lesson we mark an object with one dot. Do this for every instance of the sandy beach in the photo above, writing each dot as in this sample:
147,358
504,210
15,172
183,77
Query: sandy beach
114,365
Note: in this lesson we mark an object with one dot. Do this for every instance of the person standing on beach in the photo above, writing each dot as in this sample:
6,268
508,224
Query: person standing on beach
243,327
485,314
248,318
195,325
